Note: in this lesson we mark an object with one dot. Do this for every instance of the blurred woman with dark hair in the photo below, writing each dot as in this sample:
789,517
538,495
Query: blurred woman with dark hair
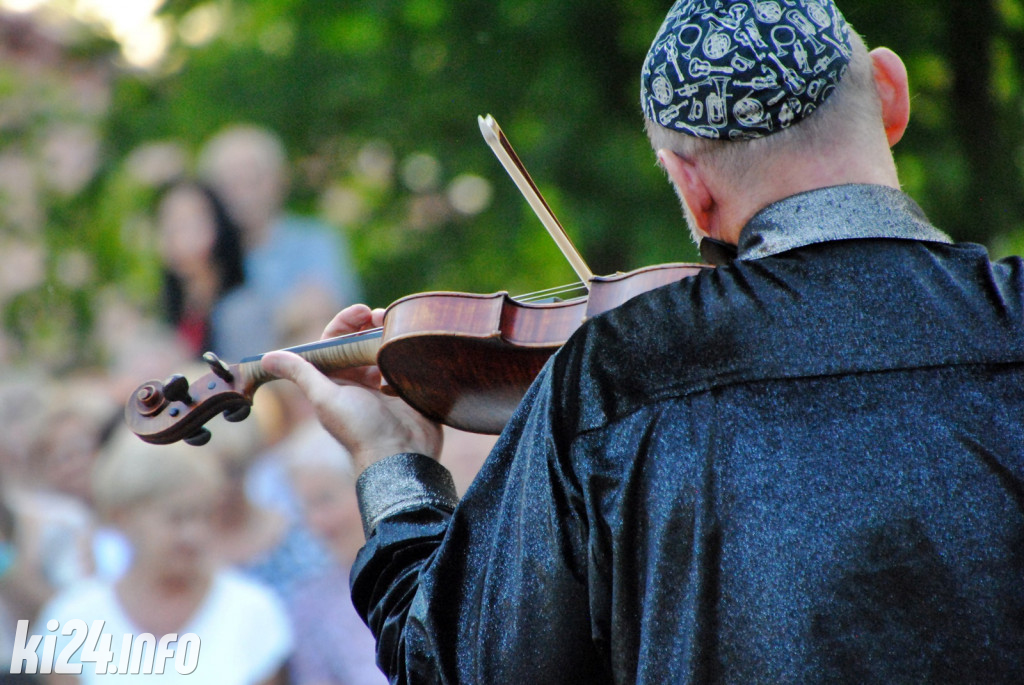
201,253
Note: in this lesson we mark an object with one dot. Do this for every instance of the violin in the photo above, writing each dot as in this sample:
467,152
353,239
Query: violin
461,359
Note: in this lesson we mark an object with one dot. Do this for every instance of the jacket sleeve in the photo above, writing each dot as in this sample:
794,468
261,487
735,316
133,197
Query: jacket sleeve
406,503
493,590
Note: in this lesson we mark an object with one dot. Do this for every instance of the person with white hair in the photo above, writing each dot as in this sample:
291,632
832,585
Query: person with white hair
162,498
297,266
336,647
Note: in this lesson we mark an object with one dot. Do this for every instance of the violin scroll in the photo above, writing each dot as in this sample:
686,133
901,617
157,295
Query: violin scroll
162,412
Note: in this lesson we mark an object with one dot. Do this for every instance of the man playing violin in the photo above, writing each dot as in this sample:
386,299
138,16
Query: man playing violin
805,465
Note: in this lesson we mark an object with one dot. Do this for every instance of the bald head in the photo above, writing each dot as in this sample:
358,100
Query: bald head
247,167
846,140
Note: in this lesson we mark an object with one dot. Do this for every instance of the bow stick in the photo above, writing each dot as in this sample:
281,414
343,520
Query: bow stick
510,160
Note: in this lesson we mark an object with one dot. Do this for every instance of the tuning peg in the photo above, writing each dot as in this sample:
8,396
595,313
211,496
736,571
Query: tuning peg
176,389
199,438
239,414
219,368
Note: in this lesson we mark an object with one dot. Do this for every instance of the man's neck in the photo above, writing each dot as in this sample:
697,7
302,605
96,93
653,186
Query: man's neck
792,179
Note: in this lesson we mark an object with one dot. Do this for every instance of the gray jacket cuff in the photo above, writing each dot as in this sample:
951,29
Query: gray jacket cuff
400,482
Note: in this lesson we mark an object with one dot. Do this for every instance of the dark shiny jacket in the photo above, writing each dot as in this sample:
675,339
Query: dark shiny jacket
804,467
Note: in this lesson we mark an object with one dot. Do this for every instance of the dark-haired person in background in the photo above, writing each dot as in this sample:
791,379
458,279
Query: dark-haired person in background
203,266
803,466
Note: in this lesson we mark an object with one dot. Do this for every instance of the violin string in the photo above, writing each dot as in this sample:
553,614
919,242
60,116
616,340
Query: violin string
569,287
577,284
565,295
375,329
528,297
551,292
353,334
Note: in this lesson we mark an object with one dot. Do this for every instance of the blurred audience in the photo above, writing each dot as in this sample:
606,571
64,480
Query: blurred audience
334,647
10,595
164,498
23,402
137,346
291,261
260,525
263,542
320,470
50,499
463,454
247,541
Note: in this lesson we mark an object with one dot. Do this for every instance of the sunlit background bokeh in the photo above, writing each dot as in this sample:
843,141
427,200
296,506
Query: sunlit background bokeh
132,23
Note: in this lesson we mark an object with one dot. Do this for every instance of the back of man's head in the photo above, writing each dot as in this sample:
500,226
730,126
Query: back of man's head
792,85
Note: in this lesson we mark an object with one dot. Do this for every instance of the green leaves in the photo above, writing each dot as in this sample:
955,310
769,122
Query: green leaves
361,91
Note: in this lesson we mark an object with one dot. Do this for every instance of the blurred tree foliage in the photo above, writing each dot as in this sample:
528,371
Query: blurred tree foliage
377,102
560,77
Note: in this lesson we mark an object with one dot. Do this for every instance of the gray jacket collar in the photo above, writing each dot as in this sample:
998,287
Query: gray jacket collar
835,213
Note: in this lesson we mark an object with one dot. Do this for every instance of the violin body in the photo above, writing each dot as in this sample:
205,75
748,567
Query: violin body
466,360
461,359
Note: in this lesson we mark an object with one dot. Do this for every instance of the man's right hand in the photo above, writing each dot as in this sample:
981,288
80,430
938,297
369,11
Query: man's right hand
349,404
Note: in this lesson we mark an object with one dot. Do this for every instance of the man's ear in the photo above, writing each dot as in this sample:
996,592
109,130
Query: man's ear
894,92
689,183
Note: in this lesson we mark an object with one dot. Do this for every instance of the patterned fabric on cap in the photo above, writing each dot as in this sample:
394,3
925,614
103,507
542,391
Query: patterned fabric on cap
738,69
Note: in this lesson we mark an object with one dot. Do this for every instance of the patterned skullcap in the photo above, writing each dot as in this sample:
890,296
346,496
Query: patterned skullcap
739,69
